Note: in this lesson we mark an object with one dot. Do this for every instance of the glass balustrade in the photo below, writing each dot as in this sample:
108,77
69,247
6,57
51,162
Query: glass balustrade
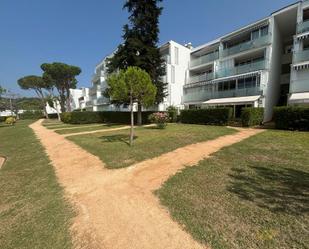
301,56
302,27
199,94
201,78
255,66
204,59
260,42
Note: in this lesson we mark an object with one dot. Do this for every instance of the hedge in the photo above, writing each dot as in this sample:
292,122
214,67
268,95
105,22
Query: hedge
216,116
292,118
251,116
2,119
101,117
31,115
52,115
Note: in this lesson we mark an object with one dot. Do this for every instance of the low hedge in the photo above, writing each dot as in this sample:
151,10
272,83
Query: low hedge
2,119
251,116
31,115
102,117
52,115
215,116
292,118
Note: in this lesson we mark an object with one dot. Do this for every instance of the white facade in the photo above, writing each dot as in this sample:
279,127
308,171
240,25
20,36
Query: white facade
260,65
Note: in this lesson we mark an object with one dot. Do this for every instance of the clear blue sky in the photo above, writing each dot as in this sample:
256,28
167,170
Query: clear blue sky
82,32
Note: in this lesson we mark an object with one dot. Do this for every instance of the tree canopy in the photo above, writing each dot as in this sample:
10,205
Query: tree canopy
140,43
132,85
63,77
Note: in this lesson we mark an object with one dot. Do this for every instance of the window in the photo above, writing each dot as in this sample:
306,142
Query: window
241,83
173,74
176,56
264,31
232,84
286,69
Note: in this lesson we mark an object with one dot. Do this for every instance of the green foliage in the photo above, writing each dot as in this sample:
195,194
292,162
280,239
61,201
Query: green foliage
251,116
2,90
139,47
160,119
100,117
53,116
292,118
172,113
214,116
10,120
62,76
132,83
31,115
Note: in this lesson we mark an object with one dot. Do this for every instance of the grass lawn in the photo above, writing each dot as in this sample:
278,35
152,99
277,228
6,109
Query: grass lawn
254,194
88,128
33,211
112,147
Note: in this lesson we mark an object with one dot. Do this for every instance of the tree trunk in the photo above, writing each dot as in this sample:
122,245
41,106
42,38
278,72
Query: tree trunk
41,96
132,122
139,114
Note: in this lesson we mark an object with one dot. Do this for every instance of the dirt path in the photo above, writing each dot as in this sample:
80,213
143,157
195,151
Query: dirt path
2,161
116,208
78,127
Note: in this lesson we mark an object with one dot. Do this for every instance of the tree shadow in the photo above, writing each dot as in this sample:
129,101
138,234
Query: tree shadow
117,138
278,190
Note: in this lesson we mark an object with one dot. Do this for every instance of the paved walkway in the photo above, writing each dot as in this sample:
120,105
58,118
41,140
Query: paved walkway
116,208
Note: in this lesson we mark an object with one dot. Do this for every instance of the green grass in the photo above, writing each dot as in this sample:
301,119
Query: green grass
89,128
112,147
254,194
33,211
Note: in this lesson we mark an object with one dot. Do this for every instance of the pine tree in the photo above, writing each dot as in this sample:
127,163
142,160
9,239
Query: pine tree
140,48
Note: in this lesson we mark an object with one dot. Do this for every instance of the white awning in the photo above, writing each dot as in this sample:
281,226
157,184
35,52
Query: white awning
299,98
233,101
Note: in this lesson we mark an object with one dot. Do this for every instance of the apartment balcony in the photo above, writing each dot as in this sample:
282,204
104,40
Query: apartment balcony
257,43
201,78
205,59
301,56
100,101
89,103
167,58
303,27
255,66
200,95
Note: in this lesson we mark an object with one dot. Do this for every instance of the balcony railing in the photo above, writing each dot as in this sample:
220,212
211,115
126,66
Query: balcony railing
167,58
201,78
205,59
200,95
255,66
301,56
302,27
89,103
260,42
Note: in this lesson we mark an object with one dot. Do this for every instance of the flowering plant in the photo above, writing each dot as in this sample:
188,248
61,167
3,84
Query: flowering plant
160,119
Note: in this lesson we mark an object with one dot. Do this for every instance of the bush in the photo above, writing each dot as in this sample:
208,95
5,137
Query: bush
100,117
10,120
292,118
31,115
215,116
2,119
172,113
251,116
53,116
160,119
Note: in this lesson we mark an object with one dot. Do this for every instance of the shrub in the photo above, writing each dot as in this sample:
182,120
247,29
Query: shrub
10,120
52,115
215,116
100,117
160,119
251,116
2,119
31,115
172,113
292,118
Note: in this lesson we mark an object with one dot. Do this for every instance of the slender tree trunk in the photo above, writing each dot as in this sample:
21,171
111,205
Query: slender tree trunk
132,122
139,114
41,96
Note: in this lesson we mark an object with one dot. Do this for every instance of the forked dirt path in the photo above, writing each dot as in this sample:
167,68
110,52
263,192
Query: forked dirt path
116,208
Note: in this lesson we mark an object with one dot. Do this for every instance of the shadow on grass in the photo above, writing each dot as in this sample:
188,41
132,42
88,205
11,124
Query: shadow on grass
117,138
278,190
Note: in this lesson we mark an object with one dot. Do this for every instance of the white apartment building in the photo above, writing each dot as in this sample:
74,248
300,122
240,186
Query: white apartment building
263,64
177,59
